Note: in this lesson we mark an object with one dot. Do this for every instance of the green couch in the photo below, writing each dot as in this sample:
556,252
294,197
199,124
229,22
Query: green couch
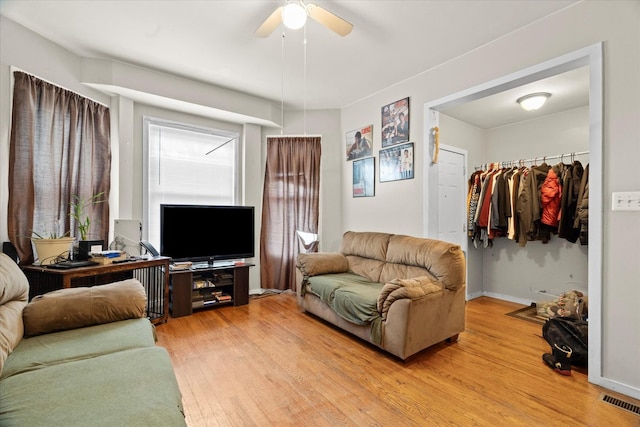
80,357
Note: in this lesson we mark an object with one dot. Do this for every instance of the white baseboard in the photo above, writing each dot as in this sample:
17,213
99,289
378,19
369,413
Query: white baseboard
509,298
474,295
612,385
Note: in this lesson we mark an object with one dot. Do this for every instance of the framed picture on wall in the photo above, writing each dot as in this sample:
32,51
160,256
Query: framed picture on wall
396,162
395,122
364,177
359,143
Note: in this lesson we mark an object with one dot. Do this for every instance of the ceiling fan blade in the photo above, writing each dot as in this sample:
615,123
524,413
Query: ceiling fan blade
329,20
270,23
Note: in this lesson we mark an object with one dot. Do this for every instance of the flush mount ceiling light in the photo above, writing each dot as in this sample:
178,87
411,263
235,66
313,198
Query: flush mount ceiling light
294,16
533,101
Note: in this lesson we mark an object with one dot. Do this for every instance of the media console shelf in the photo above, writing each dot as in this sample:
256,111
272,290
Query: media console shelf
208,287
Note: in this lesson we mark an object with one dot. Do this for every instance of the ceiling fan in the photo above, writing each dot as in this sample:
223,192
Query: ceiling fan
294,15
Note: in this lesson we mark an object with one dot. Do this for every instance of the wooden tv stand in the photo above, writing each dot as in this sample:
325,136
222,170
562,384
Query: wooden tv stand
208,287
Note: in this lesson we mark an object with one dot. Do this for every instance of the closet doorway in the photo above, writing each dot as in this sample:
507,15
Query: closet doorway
590,57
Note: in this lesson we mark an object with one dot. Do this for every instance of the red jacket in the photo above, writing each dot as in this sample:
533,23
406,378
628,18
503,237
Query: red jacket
550,195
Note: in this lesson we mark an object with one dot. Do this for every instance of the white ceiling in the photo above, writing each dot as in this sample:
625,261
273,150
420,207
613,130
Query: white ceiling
213,41
568,90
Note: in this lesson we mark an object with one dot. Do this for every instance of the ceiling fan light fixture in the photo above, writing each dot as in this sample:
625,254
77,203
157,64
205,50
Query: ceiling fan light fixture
533,101
294,16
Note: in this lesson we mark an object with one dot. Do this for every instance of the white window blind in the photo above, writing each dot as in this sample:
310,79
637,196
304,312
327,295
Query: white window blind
187,165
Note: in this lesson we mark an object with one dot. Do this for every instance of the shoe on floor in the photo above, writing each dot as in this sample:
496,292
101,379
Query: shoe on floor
559,367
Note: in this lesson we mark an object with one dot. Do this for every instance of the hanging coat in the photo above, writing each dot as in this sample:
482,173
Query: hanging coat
571,178
524,210
582,213
473,197
550,195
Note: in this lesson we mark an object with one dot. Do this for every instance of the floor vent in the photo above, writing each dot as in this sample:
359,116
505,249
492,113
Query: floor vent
627,406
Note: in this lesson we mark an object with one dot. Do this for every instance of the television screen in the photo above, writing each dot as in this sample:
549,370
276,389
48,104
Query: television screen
207,233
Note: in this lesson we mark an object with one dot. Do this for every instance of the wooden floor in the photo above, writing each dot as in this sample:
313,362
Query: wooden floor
269,364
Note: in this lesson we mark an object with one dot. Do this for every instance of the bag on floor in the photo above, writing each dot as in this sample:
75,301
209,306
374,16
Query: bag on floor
569,304
571,334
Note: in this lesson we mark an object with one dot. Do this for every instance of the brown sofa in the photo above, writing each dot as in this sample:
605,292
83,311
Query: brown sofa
398,292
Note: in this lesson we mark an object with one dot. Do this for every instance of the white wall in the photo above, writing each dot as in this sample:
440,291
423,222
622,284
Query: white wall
552,134
616,23
397,205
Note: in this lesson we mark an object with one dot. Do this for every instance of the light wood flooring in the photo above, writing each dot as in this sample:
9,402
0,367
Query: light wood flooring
267,363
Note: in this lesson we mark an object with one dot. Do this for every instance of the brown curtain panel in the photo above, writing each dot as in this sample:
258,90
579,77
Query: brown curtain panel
59,148
290,203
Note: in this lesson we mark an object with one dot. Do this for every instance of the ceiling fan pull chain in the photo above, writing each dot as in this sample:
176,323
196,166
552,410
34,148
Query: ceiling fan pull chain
304,83
282,84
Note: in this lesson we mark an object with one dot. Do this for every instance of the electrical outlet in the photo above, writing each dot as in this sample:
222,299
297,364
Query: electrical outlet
626,201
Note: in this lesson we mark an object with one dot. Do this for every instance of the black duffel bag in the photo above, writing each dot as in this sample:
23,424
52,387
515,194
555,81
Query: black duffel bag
569,341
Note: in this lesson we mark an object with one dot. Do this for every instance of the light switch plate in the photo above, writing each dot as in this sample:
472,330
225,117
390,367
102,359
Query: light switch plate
626,201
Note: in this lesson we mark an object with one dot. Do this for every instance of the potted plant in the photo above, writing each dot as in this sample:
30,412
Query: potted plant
78,212
79,206
51,245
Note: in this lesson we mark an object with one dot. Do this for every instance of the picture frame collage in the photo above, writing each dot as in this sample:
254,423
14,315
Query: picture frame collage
395,158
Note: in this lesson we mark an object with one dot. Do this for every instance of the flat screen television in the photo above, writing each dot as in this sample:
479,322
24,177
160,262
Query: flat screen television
206,233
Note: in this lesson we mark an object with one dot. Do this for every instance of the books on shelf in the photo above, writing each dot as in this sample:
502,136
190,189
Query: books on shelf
107,257
222,279
216,279
199,284
204,301
210,288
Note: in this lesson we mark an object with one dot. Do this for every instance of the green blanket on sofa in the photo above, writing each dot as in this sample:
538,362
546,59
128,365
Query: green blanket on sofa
352,297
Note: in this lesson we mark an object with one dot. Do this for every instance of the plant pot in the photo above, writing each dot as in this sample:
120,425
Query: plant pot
48,250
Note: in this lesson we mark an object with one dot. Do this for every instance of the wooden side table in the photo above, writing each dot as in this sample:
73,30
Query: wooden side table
153,273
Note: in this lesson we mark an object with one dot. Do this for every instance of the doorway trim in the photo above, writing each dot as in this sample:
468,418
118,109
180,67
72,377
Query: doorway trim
590,56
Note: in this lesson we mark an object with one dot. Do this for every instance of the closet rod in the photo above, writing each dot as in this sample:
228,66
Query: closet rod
543,158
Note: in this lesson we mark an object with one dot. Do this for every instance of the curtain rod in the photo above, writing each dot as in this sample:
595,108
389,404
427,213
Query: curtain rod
535,159
294,136
14,68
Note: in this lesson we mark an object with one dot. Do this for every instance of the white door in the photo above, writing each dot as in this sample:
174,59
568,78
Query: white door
452,195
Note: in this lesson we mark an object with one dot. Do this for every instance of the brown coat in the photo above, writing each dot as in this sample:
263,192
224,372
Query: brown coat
582,217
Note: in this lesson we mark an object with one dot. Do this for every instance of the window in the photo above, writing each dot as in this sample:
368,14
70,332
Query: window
186,164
